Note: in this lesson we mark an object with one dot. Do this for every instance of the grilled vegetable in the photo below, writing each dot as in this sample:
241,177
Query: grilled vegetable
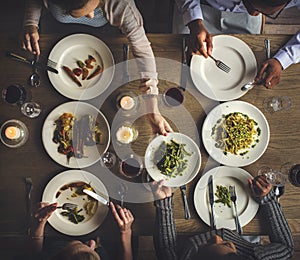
97,71
223,195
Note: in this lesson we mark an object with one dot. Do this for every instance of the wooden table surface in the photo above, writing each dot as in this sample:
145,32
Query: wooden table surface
32,159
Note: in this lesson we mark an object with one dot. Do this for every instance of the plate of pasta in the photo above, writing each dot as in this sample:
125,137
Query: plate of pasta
235,133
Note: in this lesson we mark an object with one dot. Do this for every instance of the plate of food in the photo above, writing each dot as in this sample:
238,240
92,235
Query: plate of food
217,84
235,133
67,187
85,66
176,158
76,134
223,177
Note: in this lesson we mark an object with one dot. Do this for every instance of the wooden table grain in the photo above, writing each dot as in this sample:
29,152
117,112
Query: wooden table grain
32,159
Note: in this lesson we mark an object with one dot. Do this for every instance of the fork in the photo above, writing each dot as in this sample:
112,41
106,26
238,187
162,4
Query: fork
233,199
221,65
185,203
68,206
29,187
51,63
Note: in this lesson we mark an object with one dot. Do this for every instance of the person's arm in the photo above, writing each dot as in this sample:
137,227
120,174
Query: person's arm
30,35
282,245
270,71
36,239
124,219
165,236
126,16
190,9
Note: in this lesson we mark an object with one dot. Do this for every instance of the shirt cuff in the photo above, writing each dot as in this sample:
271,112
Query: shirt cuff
149,83
268,198
192,14
165,203
283,58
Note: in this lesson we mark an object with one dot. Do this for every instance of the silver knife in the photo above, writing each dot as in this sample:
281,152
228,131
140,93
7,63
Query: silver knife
184,69
125,59
211,201
96,197
31,62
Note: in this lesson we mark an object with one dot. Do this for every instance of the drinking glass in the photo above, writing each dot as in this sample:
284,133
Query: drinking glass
274,177
292,170
274,104
173,96
14,94
31,109
131,166
108,159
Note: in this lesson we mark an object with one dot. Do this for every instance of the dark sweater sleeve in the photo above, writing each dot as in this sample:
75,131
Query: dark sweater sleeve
164,231
282,245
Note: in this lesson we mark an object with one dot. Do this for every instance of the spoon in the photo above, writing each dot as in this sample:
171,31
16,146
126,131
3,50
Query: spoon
248,86
34,80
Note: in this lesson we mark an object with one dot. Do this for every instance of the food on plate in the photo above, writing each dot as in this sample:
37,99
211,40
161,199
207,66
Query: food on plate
171,158
236,133
223,195
83,70
73,134
72,75
73,191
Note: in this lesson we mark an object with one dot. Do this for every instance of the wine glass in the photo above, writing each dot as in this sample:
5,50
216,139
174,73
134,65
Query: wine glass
292,170
108,159
122,191
274,177
274,104
31,109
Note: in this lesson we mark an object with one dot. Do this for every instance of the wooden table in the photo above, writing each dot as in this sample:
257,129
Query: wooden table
32,159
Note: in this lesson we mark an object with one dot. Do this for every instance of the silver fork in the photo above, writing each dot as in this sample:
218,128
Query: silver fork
51,63
185,203
221,65
68,206
233,199
29,187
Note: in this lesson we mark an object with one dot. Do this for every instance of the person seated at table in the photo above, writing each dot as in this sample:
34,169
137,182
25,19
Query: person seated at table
222,243
75,249
122,14
204,18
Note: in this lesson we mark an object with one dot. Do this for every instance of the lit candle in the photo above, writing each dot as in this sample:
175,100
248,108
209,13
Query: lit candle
127,103
125,134
12,132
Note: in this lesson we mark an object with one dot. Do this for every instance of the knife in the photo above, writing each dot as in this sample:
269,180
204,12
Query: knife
211,201
125,59
185,203
184,69
96,197
31,62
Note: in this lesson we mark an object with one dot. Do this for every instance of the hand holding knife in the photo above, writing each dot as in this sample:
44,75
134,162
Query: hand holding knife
211,201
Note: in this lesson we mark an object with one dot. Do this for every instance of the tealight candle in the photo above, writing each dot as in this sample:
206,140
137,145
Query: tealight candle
126,134
127,102
12,132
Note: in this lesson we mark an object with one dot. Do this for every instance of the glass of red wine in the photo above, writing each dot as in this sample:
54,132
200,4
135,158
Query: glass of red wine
274,177
14,94
292,170
173,96
131,166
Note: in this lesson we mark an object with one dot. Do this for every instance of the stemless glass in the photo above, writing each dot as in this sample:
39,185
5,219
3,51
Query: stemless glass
275,104
173,96
274,177
131,166
108,159
14,94
292,170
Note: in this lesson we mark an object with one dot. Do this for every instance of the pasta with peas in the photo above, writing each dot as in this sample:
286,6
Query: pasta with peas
236,133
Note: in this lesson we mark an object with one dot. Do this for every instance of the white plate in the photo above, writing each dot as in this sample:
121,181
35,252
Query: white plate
194,161
224,216
92,153
77,47
62,224
231,159
217,84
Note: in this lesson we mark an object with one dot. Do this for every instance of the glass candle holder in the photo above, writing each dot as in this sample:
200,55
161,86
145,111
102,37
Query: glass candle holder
126,134
127,102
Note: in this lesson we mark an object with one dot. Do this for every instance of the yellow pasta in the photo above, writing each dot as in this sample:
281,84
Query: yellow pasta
236,133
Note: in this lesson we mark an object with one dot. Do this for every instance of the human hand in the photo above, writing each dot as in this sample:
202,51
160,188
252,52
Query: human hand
44,211
198,37
269,73
123,217
30,39
159,124
159,191
259,186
